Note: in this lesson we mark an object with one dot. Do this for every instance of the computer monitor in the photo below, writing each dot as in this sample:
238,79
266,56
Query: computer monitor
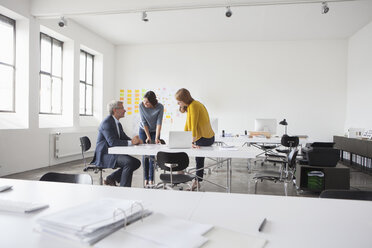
265,125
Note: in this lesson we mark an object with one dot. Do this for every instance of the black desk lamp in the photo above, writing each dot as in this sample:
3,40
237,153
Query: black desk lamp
284,123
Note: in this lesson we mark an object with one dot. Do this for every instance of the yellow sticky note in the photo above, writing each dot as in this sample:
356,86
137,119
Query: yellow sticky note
137,98
129,91
137,91
121,98
129,113
136,111
121,91
129,95
136,102
168,117
129,103
136,106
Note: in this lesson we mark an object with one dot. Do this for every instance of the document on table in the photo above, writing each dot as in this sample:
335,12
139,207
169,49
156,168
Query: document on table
228,148
90,222
221,237
159,230
20,206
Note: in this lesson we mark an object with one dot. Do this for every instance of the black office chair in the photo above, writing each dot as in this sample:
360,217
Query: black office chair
85,146
284,175
173,162
289,142
346,194
67,178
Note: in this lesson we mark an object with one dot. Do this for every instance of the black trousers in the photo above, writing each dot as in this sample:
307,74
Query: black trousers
200,160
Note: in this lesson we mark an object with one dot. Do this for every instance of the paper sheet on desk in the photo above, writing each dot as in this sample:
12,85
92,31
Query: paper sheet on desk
221,237
159,230
228,148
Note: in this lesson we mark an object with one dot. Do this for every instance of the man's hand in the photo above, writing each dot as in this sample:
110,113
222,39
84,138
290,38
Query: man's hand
136,140
148,141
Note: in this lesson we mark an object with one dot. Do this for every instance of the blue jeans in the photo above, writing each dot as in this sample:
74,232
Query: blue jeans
200,160
148,163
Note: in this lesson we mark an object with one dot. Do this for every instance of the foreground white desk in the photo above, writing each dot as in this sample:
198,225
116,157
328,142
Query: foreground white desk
210,151
292,221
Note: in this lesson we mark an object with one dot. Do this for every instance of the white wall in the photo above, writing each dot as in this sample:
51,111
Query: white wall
359,87
302,81
29,148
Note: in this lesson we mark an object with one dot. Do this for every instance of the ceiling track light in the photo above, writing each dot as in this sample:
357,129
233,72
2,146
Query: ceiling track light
325,8
62,22
228,12
144,16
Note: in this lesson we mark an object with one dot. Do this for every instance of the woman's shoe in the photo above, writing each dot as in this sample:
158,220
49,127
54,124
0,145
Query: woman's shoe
145,184
195,186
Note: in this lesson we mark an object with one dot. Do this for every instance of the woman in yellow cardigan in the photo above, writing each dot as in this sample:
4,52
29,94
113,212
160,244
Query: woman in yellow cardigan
198,122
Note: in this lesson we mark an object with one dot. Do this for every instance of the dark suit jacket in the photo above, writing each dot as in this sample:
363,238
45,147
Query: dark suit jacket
108,137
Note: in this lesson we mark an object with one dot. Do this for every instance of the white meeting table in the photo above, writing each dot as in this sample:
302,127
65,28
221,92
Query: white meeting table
291,221
210,152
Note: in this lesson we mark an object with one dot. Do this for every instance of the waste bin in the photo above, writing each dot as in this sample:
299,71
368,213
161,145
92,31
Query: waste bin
315,180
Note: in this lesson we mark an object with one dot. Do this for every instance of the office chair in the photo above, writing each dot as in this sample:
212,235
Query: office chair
289,142
85,146
283,175
173,162
67,178
347,194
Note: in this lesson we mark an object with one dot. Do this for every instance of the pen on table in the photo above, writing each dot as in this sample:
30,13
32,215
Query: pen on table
262,225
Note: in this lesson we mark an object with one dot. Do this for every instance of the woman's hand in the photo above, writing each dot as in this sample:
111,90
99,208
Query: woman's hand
195,146
148,140
157,141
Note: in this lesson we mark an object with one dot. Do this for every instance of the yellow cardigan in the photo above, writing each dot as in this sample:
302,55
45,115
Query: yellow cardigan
198,121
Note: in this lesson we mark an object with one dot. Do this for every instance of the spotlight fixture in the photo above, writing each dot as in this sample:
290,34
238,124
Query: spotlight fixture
325,8
62,22
228,12
144,16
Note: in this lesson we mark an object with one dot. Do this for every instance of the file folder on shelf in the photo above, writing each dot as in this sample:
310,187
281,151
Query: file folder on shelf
92,221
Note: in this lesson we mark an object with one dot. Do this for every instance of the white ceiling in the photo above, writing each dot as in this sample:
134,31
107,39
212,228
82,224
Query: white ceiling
248,23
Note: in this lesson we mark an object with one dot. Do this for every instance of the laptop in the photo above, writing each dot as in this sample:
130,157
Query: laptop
180,139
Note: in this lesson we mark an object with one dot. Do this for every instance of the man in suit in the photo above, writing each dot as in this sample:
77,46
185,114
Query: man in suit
111,134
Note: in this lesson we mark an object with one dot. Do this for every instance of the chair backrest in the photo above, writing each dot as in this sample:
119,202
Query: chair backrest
179,158
292,158
290,141
85,143
346,194
67,178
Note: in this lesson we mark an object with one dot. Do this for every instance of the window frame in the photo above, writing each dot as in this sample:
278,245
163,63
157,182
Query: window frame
51,76
86,54
12,22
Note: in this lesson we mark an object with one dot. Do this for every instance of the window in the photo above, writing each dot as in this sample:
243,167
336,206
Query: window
50,75
7,64
86,83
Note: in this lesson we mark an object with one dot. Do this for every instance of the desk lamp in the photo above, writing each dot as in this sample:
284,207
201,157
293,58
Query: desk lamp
284,123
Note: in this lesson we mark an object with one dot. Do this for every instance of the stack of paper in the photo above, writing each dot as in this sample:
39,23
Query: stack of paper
159,230
92,221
